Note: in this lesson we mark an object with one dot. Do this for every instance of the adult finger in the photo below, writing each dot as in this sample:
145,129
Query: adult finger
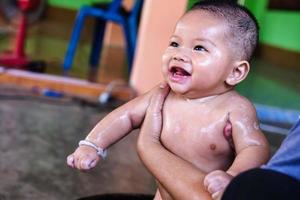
153,119
157,99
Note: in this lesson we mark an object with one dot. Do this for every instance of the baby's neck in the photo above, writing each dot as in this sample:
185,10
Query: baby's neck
201,99
205,99
208,98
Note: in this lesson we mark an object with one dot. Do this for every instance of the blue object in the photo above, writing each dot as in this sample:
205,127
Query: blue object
52,93
287,158
128,21
276,114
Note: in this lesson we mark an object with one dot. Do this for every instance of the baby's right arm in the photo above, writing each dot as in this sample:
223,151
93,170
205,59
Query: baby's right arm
110,130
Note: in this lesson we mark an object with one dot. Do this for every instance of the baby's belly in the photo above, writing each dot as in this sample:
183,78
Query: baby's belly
206,152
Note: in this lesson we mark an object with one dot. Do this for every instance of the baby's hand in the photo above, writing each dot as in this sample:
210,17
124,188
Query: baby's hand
216,181
84,158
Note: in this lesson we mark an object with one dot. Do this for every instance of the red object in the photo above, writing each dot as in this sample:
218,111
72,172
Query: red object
17,58
26,5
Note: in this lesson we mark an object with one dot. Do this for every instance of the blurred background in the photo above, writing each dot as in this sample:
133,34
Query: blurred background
58,79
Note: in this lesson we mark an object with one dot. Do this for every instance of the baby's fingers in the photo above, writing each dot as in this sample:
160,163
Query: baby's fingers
212,184
207,181
214,187
71,161
217,195
86,163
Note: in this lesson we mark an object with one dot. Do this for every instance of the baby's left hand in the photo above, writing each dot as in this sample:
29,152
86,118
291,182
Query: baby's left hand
216,181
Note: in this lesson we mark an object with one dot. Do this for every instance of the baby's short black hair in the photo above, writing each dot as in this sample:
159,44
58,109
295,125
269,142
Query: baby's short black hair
243,26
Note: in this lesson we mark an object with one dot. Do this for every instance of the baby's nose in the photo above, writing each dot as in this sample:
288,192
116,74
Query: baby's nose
180,57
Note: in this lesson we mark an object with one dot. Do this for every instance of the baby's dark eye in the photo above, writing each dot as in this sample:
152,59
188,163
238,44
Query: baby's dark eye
174,44
199,48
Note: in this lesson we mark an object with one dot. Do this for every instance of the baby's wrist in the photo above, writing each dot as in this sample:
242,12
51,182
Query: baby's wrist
100,151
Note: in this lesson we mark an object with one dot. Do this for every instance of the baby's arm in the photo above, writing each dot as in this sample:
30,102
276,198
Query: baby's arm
250,144
109,130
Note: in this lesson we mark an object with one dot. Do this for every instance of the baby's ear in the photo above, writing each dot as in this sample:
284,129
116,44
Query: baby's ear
238,73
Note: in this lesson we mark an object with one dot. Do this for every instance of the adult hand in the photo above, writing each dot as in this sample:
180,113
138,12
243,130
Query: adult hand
178,179
152,125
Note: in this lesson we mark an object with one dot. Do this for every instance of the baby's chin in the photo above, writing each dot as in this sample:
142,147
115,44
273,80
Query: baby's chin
187,90
178,88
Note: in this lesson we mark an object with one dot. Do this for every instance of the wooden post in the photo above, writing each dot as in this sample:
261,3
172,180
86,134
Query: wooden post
157,24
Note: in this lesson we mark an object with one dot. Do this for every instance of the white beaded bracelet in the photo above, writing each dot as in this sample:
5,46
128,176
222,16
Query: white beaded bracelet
101,152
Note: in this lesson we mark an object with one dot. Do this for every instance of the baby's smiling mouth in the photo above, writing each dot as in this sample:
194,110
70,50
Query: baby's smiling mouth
177,71
179,75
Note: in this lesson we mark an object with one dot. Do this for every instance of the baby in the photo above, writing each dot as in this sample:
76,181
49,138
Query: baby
205,121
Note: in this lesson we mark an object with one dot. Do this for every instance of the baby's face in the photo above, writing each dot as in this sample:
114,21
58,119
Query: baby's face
198,58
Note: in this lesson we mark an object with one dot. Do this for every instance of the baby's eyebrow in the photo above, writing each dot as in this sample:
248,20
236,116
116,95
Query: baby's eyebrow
205,40
174,36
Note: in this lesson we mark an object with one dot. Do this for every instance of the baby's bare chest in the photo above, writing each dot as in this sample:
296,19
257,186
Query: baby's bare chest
196,134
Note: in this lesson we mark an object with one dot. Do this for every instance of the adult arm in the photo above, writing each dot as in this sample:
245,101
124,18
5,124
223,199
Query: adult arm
178,177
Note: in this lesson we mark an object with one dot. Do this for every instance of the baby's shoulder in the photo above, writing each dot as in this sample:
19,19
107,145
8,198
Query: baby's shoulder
237,103
240,108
